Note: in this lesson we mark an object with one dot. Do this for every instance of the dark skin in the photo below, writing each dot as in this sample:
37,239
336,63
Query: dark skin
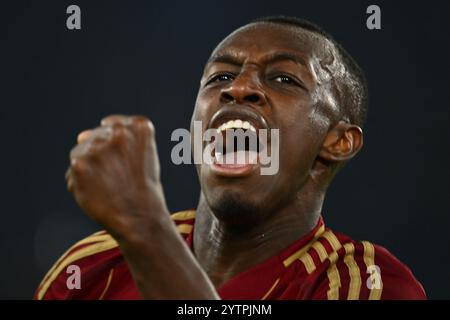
280,73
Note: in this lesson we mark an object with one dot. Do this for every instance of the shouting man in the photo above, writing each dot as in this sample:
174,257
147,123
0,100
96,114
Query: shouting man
252,235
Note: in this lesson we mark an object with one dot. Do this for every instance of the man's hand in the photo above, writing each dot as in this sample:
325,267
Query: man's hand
114,175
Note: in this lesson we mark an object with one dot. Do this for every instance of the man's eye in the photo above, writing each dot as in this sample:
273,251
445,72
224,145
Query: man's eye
221,77
284,79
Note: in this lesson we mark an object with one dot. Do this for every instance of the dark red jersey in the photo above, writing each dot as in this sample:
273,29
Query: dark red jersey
321,265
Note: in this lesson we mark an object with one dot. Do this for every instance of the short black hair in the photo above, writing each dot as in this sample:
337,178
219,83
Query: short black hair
353,88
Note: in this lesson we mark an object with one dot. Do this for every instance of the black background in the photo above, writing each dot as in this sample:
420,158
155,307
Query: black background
146,57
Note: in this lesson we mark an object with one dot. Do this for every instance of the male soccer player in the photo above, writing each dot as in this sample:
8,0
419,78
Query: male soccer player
252,236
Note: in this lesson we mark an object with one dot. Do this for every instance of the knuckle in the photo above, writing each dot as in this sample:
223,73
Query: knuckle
150,127
105,121
142,123
78,166
138,120
119,134
113,119
83,135
95,149
142,127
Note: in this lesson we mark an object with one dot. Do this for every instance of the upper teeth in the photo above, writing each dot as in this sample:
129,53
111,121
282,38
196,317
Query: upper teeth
236,124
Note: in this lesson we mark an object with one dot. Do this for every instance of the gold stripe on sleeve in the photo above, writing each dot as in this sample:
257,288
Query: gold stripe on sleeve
184,228
354,288
108,283
183,215
295,256
271,289
333,272
333,240
369,260
321,251
308,263
333,278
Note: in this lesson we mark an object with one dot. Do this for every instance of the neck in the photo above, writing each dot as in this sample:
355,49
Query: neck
223,251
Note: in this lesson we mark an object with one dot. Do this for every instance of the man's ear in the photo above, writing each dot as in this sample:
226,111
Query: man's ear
342,142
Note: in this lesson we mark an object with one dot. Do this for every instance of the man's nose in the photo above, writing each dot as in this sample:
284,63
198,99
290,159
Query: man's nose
245,88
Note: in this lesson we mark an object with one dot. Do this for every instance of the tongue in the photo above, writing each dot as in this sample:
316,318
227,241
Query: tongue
237,158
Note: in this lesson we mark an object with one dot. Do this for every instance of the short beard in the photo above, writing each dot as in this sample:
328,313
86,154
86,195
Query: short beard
238,212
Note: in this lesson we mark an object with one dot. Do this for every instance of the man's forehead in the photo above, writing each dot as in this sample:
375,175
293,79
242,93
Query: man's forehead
269,38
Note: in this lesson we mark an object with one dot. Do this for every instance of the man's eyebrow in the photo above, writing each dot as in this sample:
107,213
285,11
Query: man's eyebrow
272,58
282,56
225,58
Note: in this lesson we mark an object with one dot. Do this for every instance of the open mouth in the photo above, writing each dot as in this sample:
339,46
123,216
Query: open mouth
240,142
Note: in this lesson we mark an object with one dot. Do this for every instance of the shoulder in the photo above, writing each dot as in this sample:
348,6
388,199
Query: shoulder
93,252
95,258
339,267
387,277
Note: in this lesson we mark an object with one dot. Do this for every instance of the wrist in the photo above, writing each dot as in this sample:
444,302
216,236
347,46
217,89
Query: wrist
148,234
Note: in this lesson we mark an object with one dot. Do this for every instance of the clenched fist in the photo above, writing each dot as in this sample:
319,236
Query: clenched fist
114,175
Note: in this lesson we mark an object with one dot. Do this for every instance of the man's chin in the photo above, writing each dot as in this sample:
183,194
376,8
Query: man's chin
235,209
